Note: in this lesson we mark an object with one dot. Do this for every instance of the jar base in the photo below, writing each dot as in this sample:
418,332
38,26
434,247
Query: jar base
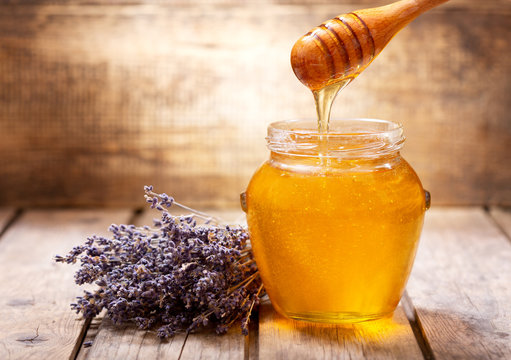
336,318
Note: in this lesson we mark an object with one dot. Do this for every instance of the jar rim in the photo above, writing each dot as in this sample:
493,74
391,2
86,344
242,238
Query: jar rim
347,138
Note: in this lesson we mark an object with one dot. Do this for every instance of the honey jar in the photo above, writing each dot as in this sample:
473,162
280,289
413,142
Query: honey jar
335,219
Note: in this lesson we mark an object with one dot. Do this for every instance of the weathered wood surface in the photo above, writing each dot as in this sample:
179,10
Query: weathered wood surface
460,286
98,100
208,345
458,300
35,292
502,217
127,342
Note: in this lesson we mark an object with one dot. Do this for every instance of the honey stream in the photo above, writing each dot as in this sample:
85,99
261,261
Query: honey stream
324,99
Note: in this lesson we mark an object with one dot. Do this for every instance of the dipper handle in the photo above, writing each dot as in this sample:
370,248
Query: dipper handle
342,47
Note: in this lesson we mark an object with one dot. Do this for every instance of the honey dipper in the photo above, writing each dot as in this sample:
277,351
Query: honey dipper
342,47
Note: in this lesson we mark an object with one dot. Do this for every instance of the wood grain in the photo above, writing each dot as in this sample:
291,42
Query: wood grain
207,344
35,319
281,338
98,100
127,342
502,217
460,285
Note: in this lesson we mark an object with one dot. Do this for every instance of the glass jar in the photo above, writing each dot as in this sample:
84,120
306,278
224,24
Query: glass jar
335,219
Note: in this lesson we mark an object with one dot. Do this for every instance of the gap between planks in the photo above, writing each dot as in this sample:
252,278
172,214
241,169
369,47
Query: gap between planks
417,329
7,218
501,217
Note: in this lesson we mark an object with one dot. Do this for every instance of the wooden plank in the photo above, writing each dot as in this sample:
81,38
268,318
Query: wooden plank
460,285
187,111
5,216
206,344
281,338
35,319
503,218
127,342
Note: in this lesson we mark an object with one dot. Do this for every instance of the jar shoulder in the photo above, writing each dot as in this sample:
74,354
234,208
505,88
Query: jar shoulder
396,184
398,168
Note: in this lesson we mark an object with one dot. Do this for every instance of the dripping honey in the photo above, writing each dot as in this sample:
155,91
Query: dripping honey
323,99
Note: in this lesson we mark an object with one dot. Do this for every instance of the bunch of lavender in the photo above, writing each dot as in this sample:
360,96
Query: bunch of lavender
176,275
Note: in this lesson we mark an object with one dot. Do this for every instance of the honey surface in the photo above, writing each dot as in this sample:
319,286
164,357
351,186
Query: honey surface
335,245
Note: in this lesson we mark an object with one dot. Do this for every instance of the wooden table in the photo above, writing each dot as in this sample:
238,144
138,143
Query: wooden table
457,304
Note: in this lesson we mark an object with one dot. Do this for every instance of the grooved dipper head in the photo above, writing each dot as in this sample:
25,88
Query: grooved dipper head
344,46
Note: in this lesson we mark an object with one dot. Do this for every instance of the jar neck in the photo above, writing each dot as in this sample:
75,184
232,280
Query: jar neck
350,143
319,164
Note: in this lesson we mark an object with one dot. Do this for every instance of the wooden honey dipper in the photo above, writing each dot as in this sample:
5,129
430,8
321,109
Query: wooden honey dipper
342,47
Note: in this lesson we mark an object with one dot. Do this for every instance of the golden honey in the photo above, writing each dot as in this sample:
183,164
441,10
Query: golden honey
335,219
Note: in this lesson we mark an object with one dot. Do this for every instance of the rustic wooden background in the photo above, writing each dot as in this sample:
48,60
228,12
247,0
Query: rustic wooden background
99,98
